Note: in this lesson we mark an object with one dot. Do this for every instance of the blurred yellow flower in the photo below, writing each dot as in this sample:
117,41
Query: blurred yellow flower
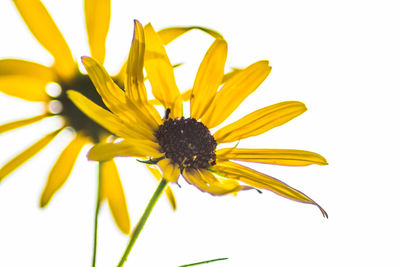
29,80
185,146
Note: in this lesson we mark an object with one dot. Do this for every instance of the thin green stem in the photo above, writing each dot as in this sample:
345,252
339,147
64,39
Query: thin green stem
203,262
96,217
139,226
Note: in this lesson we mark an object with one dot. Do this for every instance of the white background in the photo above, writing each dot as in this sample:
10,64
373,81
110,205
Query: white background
341,58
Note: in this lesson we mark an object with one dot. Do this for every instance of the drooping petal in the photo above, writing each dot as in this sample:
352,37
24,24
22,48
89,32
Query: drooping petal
26,68
105,118
259,180
62,168
17,124
113,192
234,91
48,35
97,13
168,191
169,34
207,182
131,148
161,73
286,157
260,121
24,87
170,170
25,155
208,78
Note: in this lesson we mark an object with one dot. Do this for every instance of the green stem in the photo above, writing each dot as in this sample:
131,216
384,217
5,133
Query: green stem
96,217
139,226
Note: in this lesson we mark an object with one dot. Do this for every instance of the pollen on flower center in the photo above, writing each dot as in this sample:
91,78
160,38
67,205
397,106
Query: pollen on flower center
187,142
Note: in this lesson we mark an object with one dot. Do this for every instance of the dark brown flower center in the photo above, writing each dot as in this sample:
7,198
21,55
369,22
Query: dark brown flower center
74,117
187,142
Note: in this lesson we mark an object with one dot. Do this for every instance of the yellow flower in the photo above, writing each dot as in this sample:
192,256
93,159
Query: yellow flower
28,81
185,146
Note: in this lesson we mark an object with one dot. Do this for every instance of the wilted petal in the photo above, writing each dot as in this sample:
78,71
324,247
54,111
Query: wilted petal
259,180
207,182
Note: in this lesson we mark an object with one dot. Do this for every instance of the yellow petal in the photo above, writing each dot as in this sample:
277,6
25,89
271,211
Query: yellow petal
160,72
26,68
208,78
98,14
46,32
112,190
229,75
135,88
125,148
234,91
16,124
112,96
207,182
170,170
167,35
105,118
25,155
24,87
259,180
62,168
260,121
286,157
168,191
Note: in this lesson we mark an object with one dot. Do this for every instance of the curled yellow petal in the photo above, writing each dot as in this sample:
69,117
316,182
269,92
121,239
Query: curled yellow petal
286,157
167,35
17,124
207,182
234,91
260,121
113,192
131,148
262,181
26,155
135,88
170,170
208,78
134,85
62,168
160,72
46,32
97,13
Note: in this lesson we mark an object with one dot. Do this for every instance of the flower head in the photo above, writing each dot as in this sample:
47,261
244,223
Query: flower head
185,146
